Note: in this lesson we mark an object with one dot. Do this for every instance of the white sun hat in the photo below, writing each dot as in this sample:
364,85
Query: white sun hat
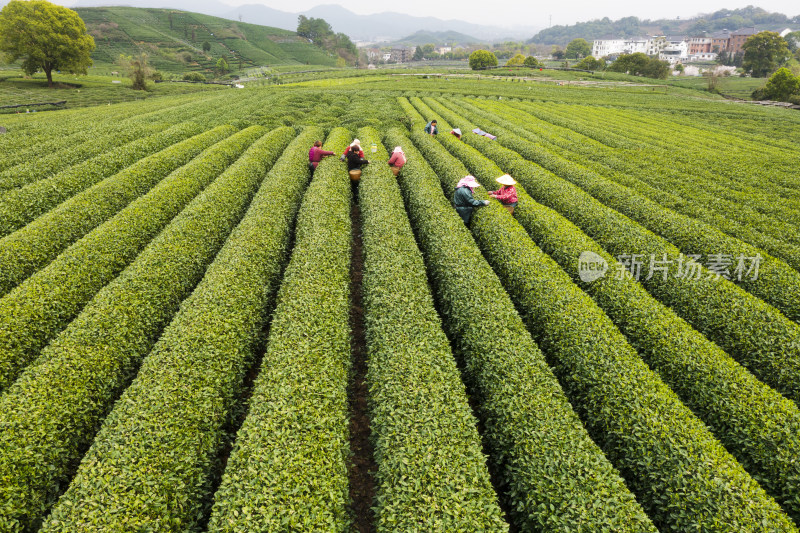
456,130
355,142
397,149
505,179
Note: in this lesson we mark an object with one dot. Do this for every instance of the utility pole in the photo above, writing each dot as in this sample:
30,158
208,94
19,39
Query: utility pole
551,22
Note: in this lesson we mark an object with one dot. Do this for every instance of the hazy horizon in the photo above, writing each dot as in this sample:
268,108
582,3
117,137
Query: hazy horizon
509,13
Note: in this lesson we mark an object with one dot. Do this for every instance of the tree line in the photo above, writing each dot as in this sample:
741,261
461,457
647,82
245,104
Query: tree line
321,34
632,26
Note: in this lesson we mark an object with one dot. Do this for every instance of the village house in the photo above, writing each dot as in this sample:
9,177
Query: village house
738,38
699,45
720,41
675,48
401,54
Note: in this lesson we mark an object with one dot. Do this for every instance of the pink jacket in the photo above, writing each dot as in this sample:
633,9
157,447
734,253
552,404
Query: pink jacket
397,159
506,194
315,155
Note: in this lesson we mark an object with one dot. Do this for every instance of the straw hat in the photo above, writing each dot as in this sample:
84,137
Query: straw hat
505,179
355,143
456,130
397,149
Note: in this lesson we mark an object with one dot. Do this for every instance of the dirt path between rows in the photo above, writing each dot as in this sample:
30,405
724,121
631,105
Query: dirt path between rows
362,466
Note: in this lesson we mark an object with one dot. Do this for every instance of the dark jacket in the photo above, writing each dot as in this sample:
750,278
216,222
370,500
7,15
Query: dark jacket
354,161
465,202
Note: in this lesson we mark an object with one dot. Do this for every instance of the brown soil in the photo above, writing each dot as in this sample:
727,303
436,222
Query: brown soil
362,466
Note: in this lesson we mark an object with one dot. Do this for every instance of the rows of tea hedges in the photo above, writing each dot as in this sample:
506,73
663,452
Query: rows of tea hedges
176,321
766,438
288,470
607,383
762,338
208,347
55,406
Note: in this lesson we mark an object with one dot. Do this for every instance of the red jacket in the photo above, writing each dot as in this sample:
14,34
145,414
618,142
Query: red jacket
397,159
507,194
360,152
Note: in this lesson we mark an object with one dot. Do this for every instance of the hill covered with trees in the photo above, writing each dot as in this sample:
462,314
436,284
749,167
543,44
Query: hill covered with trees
730,19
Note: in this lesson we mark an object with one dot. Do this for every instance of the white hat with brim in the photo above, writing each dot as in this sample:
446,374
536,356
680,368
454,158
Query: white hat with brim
505,179
457,131
355,143
397,149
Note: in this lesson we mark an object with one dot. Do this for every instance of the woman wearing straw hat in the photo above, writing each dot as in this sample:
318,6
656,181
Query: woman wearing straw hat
456,132
507,194
397,160
463,199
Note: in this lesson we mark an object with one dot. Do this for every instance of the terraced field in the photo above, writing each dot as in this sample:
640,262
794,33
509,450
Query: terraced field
197,334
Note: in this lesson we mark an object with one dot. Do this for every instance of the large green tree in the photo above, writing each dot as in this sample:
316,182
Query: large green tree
782,86
321,34
531,62
639,64
578,48
763,53
516,61
47,37
590,63
481,59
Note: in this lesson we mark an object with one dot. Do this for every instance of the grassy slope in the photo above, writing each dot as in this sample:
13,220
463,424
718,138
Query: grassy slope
173,40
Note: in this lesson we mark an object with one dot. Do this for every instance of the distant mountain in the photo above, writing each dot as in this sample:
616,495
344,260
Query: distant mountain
382,26
439,38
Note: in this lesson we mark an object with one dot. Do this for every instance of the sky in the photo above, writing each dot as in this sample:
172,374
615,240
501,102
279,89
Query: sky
517,12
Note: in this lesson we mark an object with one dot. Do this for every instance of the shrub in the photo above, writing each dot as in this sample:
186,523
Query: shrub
590,63
480,59
73,151
670,460
762,338
781,86
516,61
526,417
531,62
413,380
51,413
165,440
25,325
664,181
288,469
715,387
193,76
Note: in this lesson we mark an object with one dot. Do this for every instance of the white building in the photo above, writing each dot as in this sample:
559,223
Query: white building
674,53
607,47
702,56
614,47
651,46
